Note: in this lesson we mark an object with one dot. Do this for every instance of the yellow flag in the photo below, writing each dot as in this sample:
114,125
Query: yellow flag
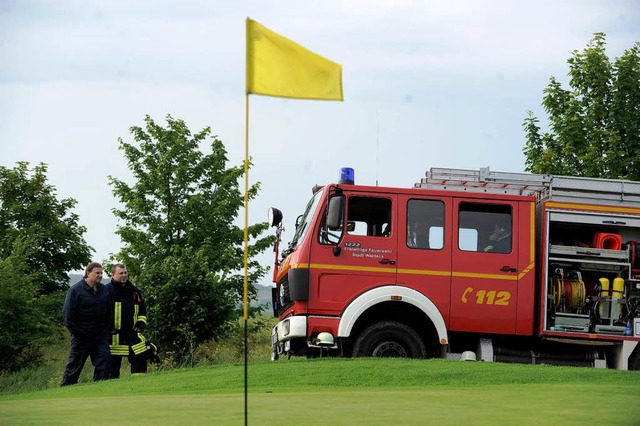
276,66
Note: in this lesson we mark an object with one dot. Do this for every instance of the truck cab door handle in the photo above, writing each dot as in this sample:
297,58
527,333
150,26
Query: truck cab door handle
387,261
508,269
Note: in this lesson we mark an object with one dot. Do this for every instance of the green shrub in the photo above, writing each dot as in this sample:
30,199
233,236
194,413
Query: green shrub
231,348
24,324
188,304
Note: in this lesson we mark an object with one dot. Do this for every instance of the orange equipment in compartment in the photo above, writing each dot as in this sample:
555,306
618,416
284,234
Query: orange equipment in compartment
605,240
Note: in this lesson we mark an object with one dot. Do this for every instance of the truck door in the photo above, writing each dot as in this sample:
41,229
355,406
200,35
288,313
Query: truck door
362,254
424,250
484,281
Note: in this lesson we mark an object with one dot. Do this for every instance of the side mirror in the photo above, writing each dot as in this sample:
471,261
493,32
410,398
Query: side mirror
334,212
275,217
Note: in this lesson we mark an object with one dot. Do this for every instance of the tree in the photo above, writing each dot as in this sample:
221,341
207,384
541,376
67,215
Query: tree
24,323
30,212
595,127
181,245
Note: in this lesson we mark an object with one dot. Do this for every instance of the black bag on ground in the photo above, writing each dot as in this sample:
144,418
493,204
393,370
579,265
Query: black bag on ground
152,353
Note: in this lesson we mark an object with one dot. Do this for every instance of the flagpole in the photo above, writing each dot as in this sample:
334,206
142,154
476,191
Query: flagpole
246,257
322,80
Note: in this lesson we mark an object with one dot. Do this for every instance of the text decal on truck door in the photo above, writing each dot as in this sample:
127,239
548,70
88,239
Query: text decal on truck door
483,297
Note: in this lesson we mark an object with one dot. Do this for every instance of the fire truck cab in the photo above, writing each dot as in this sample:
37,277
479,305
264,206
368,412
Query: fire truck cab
514,267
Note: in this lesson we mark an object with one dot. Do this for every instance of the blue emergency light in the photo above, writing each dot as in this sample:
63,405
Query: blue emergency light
347,175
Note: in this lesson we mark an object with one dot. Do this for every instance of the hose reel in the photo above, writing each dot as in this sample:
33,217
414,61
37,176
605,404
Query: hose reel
569,293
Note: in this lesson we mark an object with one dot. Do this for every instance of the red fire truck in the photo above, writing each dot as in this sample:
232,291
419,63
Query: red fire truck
507,267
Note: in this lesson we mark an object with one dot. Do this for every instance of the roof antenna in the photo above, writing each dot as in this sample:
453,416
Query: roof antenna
377,145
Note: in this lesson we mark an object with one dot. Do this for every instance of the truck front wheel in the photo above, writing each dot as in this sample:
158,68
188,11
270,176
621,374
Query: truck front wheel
388,339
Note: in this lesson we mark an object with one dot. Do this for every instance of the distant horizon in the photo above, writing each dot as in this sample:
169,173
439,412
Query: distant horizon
75,277
264,292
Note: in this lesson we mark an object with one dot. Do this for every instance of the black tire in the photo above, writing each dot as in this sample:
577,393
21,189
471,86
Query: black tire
634,359
389,339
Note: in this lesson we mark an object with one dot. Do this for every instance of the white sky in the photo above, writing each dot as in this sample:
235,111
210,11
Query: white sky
426,84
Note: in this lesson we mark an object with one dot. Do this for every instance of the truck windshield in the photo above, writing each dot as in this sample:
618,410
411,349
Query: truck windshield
303,222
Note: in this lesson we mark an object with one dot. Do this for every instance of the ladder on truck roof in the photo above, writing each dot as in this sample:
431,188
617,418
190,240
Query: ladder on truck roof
543,187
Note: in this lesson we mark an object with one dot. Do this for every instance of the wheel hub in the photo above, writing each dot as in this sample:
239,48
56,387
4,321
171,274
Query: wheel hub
389,349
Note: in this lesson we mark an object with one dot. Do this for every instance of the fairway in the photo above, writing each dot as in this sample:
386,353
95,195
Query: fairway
495,405
343,392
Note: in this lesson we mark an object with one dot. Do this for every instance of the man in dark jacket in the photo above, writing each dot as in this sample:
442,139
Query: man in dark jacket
129,322
86,316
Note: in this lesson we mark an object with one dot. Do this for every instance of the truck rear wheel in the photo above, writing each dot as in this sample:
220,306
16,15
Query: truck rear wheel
388,339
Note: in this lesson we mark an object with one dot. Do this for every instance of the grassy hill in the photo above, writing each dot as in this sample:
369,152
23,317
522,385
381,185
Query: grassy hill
264,296
344,391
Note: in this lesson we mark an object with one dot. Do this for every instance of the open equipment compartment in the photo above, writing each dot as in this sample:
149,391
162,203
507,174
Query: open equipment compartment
591,285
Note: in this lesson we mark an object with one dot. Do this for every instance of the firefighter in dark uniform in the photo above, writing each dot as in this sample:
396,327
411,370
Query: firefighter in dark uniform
86,316
129,322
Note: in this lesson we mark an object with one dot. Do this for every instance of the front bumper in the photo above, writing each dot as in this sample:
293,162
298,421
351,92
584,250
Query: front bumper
284,332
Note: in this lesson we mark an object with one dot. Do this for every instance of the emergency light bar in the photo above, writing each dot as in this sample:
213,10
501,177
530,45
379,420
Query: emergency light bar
347,175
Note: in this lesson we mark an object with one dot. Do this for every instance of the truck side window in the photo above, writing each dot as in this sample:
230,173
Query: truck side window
366,216
425,224
485,228
370,216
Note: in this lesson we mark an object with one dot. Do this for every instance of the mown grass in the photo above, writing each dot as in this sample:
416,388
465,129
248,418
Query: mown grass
353,373
344,391
321,391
